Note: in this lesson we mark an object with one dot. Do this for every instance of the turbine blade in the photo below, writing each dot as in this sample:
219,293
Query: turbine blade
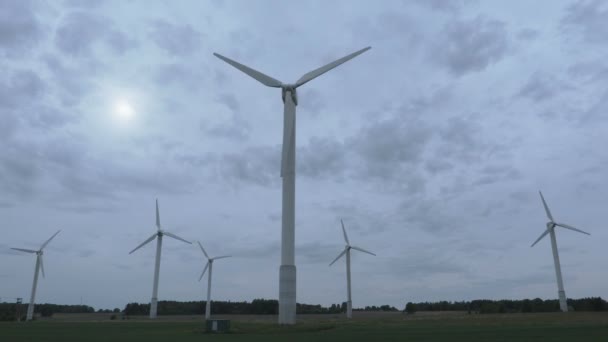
202,249
221,257
176,237
546,207
49,240
320,71
25,250
540,237
143,243
339,256
260,77
571,228
204,270
344,231
363,250
157,216
42,266
289,128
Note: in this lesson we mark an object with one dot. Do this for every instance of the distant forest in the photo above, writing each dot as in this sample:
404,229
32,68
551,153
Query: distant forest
255,307
8,311
485,306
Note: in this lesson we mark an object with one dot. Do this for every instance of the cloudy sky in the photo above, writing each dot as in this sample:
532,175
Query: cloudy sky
431,146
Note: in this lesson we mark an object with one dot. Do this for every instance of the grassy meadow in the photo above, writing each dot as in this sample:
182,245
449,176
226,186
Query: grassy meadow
575,326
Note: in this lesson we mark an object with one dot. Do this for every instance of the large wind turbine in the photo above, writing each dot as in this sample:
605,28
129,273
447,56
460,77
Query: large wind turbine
39,266
287,271
159,242
210,266
558,271
347,248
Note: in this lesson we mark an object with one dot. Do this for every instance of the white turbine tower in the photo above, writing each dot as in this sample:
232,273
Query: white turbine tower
39,266
159,242
558,271
347,248
210,266
287,271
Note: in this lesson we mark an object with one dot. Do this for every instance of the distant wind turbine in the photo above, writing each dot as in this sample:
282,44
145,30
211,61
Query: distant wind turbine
39,266
287,271
347,248
563,305
210,266
159,242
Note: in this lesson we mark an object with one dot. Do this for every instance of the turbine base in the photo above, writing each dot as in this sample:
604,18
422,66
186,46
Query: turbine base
349,309
563,303
153,306
287,294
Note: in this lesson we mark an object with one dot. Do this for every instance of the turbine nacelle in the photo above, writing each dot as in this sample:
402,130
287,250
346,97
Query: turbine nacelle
159,233
348,246
292,90
209,259
551,224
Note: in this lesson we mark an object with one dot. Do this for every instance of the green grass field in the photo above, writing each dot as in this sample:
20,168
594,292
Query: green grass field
365,327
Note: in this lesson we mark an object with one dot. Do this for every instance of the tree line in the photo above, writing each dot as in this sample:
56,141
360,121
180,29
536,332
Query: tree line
255,307
486,306
9,311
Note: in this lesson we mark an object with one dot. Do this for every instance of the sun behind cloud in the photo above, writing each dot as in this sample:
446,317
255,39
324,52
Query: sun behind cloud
124,110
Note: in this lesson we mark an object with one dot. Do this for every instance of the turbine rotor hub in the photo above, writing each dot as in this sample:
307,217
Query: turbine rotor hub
291,88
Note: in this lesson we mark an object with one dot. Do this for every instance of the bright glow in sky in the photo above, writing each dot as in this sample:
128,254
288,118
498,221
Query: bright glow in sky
124,110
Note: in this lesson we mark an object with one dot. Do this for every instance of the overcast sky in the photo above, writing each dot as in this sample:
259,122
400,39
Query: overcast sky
431,146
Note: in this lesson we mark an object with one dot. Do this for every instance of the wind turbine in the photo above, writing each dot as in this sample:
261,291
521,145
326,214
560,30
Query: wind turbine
287,271
210,266
39,266
347,248
159,242
558,271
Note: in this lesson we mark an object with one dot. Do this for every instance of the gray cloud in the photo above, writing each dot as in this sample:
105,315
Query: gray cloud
175,39
588,19
187,77
47,117
471,45
541,87
256,165
311,101
71,81
18,174
80,31
528,34
234,127
594,112
20,28
21,87
497,173
461,140
445,6
88,4
317,252
230,101
321,158
388,146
